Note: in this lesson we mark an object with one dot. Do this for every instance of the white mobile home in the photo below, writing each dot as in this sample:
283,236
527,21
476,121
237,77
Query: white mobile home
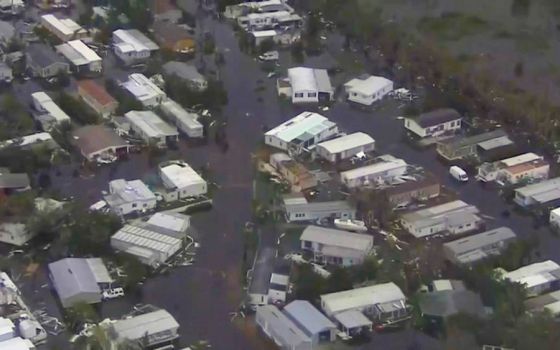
64,28
81,57
299,210
336,247
380,302
385,171
185,121
131,46
434,123
301,133
475,248
279,328
367,90
178,177
454,218
537,278
127,197
311,321
151,128
345,147
306,85
540,193
144,90
513,170
48,114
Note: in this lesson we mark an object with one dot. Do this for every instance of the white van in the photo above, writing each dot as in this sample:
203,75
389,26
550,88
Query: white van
458,174
98,206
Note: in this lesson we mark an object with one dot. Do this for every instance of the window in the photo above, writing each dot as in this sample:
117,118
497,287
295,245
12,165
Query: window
311,94
134,205
145,205
298,94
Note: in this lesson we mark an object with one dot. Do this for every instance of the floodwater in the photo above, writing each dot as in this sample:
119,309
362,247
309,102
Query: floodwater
202,296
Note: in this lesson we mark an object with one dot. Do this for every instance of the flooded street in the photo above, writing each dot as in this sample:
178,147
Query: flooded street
201,297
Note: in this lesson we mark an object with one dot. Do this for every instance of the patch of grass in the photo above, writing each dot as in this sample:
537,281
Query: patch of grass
452,26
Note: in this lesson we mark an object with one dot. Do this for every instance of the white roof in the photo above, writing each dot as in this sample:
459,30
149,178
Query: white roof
50,107
520,159
368,86
337,238
555,212
137,327
263,33
151,124
182,175
352,319
372,169
66,25
27,140
17,344
307,79
6,326
279,279
360,298
551,186
534,274
347,142
133,40
184,117
78,53
306,122
148,239
123,191
171,221
141,87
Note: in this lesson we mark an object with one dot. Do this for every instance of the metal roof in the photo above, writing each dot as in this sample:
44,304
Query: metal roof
282,328
48,106
352,319
520,159
73,276
99,270
471,248
294,204
78,53
369,85
462,141
450,302
182,70
135,39
535,274
146,238
382,167
175,222
307,317
65,25
151,124
306,122
309,79
451,211
145,325
123,191
495,143
437,117
181,175
141,87
338,238
173,110
362,297
540,188
347,142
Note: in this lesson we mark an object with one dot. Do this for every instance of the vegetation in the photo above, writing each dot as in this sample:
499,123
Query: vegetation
452,26
76,109
126,102
14,120
214,97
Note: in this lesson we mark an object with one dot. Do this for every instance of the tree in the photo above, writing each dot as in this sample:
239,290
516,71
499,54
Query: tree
339,280
308,284
367,271
79,314
76,109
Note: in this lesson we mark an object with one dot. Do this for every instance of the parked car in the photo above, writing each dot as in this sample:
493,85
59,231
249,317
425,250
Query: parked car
458,174
113,293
